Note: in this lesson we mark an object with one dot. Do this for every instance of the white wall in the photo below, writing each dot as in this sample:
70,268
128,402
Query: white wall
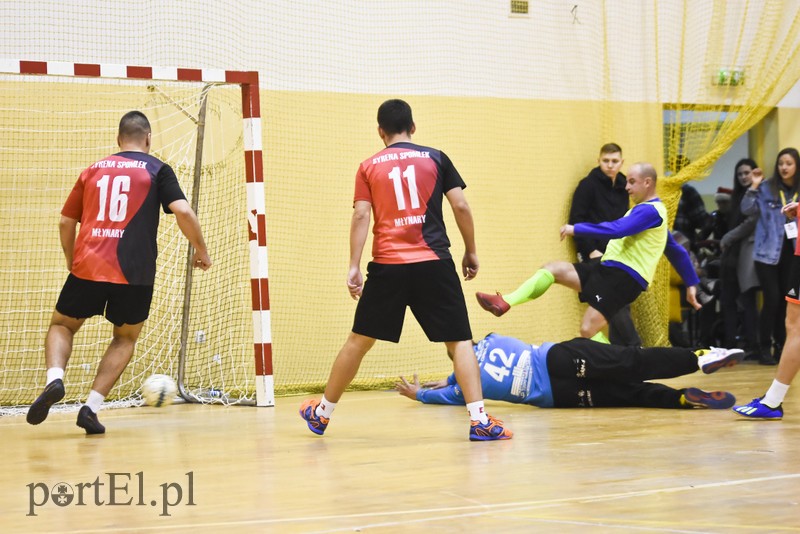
625,50
792,98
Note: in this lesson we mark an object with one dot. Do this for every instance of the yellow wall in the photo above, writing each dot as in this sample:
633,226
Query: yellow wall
521,160
788,127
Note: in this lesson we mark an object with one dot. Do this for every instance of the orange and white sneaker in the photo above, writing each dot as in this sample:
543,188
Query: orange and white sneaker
308,411
491,431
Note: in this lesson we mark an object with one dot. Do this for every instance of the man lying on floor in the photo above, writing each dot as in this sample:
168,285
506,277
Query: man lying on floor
582,373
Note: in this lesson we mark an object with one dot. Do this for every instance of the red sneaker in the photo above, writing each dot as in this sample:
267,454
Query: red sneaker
493,303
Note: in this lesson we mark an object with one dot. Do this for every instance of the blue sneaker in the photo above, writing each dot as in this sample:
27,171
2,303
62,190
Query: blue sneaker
716,400
308,411
491,431
757,410
713,359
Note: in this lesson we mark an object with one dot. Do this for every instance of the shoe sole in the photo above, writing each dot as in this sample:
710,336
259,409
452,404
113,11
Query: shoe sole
489,438
491,308
715,400
728,361
91,429
39,410
89,422
757,418
316,431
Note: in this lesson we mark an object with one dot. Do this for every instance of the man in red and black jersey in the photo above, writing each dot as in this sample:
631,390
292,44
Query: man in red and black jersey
403,185
112,261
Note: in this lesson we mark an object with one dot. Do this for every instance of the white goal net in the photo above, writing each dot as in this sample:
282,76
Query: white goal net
53,128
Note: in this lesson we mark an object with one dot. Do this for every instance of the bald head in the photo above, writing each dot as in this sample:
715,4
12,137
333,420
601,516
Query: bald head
646,170
642,179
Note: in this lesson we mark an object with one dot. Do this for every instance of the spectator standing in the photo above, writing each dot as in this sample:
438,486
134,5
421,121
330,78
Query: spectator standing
773,247
601,197
738,279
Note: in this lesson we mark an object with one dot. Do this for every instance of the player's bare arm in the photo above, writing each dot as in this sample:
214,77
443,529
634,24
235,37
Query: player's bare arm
190,226
359,228
437,384
463,217
569,230
67,231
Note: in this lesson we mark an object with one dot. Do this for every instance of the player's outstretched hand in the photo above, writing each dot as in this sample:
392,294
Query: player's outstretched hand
691,297
566,230
407,389
201,260
355,282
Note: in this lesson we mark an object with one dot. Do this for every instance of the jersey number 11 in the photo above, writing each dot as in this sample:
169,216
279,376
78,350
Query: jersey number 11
411,177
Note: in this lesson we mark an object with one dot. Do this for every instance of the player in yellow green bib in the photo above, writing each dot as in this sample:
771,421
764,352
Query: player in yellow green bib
637,241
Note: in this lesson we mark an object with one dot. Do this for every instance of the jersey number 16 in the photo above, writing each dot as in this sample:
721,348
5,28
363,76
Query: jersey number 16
118,204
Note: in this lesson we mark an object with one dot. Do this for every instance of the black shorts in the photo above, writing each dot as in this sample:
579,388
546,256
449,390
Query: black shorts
431,289
120,303
606,289
793,291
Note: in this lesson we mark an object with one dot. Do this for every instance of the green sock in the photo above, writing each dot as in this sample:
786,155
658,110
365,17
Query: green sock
600,337
533,287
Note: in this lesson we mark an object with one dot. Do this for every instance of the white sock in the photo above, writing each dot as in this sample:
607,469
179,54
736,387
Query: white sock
477,412
94,401
325,408
775,394
54,373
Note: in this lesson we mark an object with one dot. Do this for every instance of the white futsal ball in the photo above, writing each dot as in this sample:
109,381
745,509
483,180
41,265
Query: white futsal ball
159,390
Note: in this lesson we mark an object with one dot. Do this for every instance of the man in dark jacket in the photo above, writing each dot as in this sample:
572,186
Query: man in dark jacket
601,197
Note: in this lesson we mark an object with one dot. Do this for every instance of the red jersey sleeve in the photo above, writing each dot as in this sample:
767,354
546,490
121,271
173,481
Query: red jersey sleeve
362,186
73,207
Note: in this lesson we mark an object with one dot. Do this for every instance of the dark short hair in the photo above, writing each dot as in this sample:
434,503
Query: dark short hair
394,117
610,148
134,125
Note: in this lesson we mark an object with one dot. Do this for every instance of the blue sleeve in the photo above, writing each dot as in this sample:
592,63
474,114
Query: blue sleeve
680,259
452,379
642,217
447,395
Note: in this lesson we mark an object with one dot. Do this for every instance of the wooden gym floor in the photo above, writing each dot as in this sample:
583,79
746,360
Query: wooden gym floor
387,464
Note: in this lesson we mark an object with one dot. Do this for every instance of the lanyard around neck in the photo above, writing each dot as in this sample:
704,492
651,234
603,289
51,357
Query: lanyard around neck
783,197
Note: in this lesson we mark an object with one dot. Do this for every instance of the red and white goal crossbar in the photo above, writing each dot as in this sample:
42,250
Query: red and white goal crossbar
254,177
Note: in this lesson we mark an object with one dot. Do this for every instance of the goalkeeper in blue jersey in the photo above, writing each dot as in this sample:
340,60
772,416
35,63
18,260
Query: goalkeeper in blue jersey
637,242
582,373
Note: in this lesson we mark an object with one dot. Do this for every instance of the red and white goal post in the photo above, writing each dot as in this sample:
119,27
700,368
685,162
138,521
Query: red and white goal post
59,118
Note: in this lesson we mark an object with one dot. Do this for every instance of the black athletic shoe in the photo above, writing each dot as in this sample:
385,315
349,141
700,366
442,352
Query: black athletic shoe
88,421
53,392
